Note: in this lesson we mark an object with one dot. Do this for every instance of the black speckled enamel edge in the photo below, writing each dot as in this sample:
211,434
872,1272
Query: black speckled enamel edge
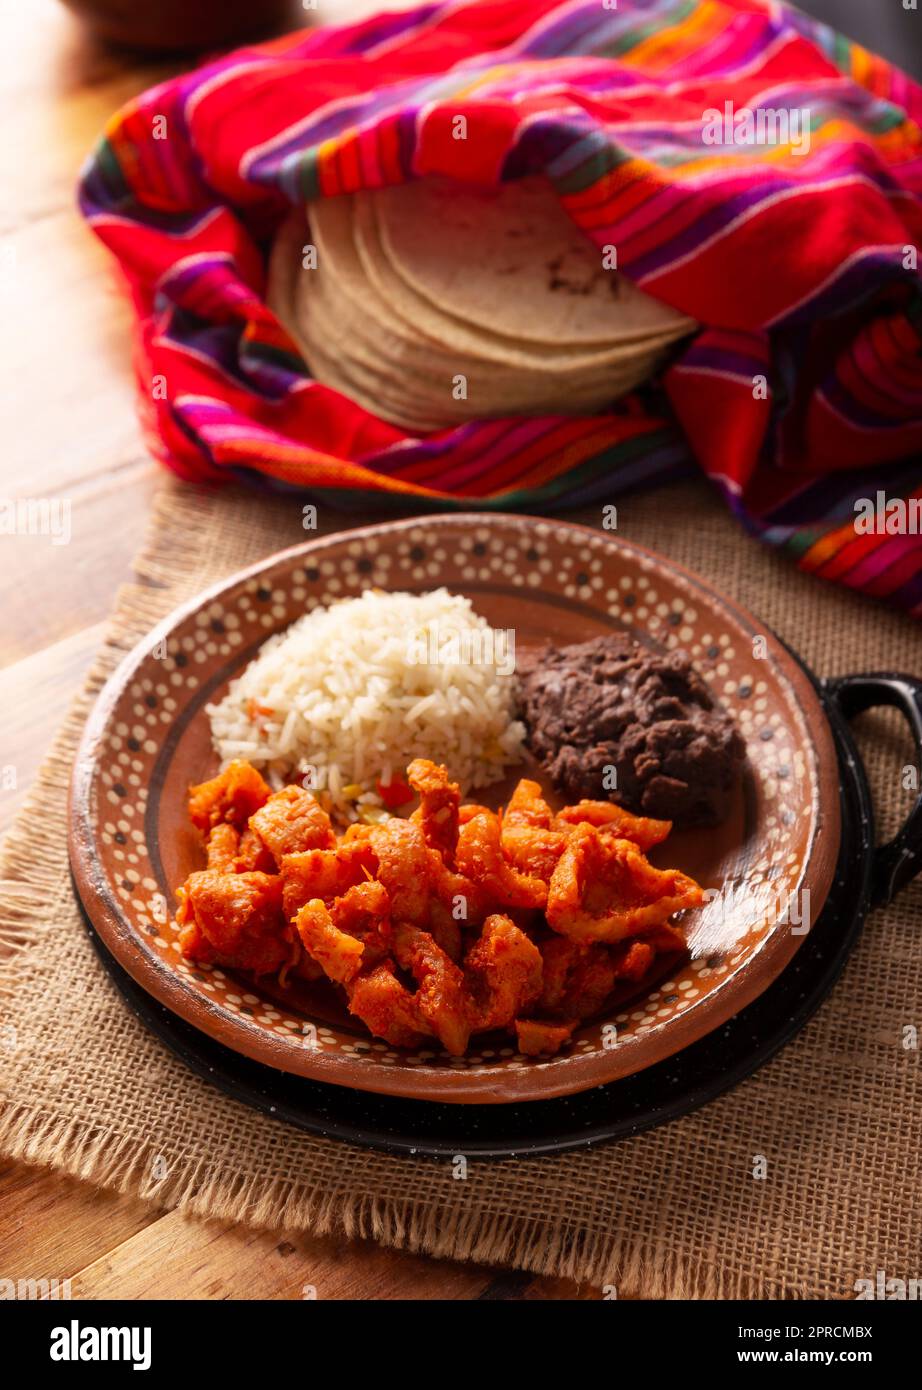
653,1097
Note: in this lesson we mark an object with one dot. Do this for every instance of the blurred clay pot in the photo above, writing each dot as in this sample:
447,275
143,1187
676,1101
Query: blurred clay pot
182,25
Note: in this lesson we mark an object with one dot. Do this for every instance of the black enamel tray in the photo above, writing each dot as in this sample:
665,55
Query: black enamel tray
865,876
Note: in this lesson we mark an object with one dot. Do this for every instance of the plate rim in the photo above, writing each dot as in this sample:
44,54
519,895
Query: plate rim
582,1071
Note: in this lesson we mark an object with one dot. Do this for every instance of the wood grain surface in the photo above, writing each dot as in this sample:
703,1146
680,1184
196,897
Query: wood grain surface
68,425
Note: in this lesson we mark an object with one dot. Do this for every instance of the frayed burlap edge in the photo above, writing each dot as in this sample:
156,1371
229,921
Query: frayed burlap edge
110,1161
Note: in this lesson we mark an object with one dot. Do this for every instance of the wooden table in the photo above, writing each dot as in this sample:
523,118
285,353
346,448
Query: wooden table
69,431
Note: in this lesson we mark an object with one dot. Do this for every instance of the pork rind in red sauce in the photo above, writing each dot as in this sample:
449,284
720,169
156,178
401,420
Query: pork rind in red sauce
233,796
452,922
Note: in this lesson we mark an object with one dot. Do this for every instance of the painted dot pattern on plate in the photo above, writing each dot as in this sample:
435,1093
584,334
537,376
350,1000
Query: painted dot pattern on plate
541,563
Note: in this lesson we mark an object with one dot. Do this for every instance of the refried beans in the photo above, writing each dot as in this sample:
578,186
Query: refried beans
610,718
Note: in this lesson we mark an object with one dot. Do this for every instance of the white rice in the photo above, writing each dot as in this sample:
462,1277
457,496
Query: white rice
345,698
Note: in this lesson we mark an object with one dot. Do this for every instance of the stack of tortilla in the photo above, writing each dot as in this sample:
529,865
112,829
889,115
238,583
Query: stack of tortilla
433,302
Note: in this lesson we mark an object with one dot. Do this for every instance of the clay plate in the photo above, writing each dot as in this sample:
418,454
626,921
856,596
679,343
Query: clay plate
768,867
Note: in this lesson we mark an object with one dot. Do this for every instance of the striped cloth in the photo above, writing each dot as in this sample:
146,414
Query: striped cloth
800,396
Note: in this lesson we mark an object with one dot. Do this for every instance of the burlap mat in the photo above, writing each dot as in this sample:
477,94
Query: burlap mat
676,1212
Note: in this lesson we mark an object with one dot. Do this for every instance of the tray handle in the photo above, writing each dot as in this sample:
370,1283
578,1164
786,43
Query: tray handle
897,862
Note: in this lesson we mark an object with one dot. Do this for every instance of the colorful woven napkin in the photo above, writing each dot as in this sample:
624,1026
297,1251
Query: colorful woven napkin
752,169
